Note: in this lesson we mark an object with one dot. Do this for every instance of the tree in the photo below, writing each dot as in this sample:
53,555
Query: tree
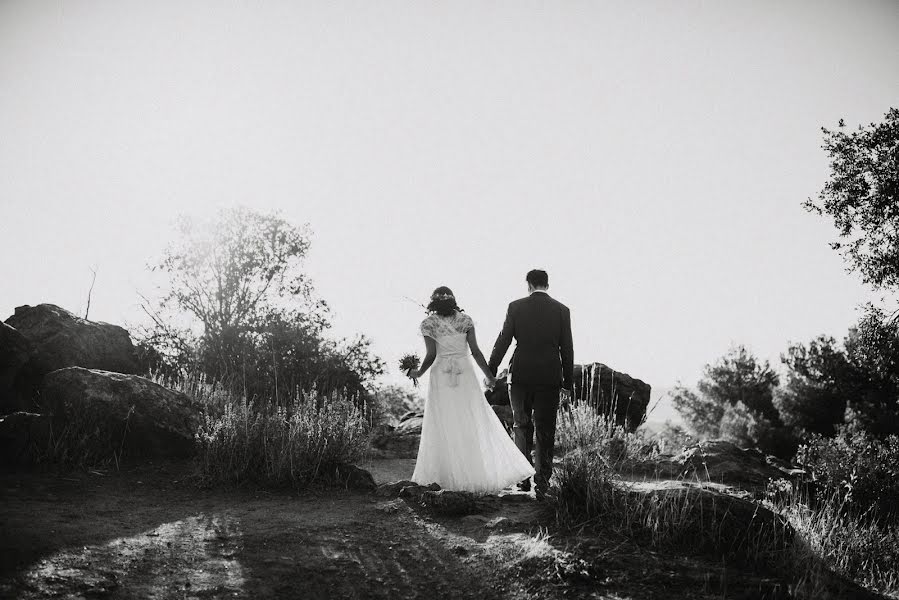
231,273
819,379
856,383
872,348
734,401
254,321
862,197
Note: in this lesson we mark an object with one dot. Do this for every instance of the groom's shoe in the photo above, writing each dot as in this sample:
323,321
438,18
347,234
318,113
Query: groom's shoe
524,486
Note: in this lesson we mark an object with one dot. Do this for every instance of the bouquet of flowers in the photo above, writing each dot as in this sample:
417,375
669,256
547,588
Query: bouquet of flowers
410,362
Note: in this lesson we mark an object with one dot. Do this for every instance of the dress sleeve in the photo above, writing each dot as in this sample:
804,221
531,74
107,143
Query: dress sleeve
427,328
466,323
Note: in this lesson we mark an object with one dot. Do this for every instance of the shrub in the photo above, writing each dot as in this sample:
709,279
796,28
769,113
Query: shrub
856,467
279,447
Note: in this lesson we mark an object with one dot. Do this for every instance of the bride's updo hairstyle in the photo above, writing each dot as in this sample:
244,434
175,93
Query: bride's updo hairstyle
443,302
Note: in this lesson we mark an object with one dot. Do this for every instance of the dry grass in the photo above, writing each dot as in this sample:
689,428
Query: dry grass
858,547
280,447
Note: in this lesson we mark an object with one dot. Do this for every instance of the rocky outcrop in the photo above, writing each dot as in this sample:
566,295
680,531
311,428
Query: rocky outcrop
718,461
15,350
722,462
612,393
59,339
713,522
400,441
130,415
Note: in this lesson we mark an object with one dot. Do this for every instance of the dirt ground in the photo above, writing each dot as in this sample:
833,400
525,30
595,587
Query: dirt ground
150,532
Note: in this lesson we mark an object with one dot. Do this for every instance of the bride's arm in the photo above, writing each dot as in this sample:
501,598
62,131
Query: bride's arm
478,356
431,348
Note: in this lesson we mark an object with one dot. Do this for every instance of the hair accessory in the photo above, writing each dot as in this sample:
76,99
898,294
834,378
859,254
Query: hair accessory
443,297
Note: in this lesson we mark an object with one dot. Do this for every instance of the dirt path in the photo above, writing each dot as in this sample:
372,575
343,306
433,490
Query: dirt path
148,534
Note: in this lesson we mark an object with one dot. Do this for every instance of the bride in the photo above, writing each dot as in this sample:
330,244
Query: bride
463,446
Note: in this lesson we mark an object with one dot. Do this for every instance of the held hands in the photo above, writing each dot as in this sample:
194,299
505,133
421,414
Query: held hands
490,382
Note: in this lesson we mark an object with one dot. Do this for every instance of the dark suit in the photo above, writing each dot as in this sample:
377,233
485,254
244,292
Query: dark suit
543,362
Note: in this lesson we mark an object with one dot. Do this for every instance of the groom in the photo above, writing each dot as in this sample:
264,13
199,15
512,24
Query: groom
542,364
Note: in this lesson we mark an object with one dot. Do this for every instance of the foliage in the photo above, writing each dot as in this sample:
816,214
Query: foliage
831,538
858,468
388,403
825,382
735,401
240,309
872,348
580,426
819,379
862,197
278,447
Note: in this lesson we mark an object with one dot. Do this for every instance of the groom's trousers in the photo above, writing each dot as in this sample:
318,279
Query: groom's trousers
534,409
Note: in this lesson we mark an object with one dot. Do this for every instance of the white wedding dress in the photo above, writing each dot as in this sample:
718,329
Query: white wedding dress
464,446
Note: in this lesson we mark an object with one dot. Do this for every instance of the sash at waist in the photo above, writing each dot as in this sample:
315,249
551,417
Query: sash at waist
451,364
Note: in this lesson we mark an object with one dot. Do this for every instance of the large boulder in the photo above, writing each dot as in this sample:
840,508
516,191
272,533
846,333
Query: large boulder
15,350
127,414
612,393
59,339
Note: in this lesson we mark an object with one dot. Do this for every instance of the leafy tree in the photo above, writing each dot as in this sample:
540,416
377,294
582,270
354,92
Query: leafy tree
253,320
862,197
872,348
818,381
735,401
827,385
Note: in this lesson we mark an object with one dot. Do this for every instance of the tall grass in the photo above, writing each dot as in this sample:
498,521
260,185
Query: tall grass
581,427
860,547
298,447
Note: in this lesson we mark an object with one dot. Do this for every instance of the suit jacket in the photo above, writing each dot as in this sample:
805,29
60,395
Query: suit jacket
544,354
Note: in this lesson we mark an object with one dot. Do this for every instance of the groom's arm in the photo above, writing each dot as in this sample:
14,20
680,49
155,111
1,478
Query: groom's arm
503,341
566,350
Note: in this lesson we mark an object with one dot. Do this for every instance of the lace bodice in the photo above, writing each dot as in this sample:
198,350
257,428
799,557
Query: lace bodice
435,326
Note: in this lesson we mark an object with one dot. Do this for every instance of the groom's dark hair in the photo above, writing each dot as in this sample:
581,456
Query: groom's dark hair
537,278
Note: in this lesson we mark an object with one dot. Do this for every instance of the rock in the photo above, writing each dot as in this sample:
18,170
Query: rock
401,441
393,489
125,414
410,424
415,491
355,478
448,503
611,392
15,350
59,339
24,438
711,522
723,462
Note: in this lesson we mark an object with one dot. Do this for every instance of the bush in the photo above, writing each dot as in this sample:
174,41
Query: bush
856,467
280,447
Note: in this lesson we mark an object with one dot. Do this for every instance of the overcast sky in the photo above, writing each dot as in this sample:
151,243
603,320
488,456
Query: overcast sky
652,156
